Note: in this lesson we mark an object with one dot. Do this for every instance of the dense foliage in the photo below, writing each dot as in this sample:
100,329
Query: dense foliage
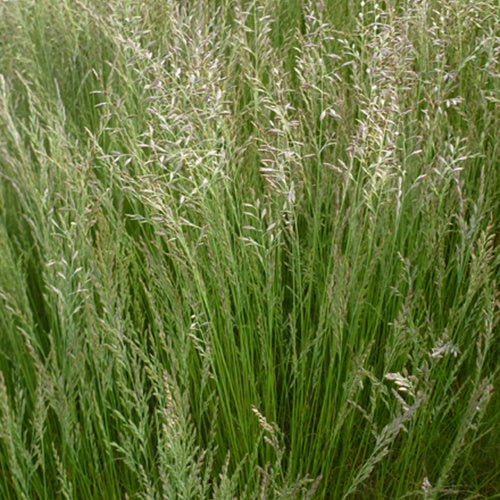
249,249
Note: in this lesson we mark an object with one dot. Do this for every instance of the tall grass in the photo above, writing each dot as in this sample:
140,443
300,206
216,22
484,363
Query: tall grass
248,249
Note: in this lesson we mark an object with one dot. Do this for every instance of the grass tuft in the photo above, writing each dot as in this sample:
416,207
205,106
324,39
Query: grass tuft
248,249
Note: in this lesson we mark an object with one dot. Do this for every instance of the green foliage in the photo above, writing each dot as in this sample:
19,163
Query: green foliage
248,250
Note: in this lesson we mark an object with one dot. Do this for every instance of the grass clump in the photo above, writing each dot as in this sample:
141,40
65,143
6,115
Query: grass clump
248,250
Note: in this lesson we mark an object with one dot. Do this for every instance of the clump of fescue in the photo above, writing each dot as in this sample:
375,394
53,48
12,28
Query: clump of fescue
249,249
